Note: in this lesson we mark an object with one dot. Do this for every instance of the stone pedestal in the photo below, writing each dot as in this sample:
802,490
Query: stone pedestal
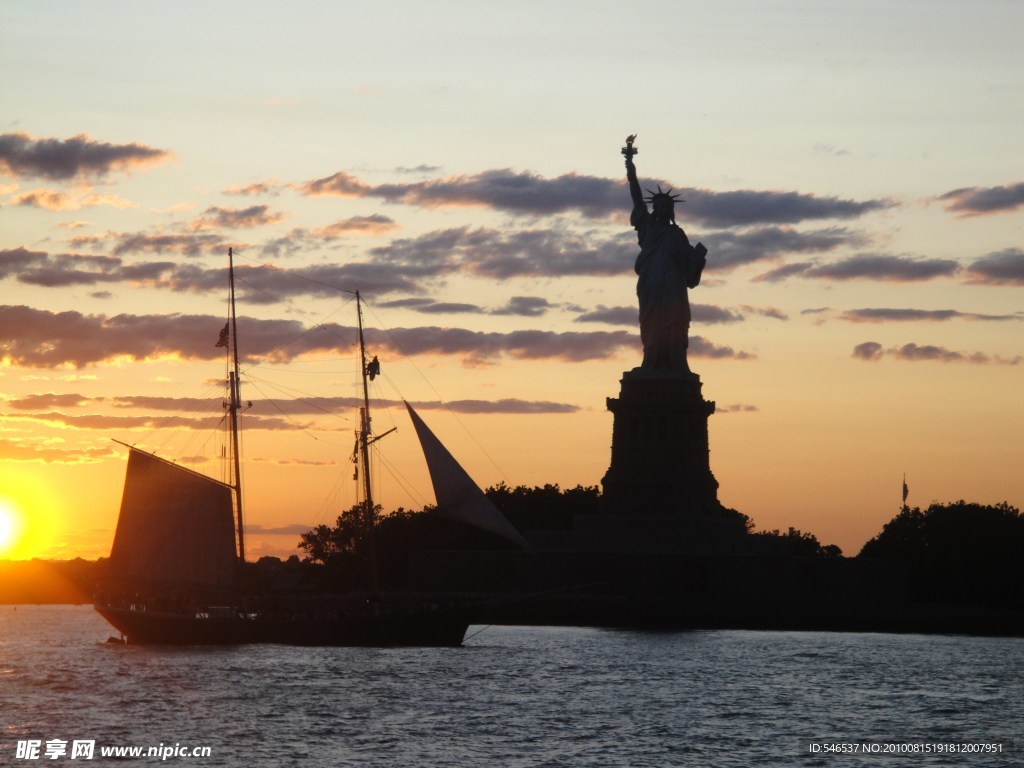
660,457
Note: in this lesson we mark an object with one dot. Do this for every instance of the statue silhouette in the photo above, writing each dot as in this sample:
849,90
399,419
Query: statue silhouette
666,267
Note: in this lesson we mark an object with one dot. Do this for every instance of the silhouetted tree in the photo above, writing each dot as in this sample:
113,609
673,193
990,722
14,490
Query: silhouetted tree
323,543
545,507
959,551
342,549
800,544
748,522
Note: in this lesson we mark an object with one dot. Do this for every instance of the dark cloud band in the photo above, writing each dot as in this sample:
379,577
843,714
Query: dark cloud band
976,201
524,193
80,156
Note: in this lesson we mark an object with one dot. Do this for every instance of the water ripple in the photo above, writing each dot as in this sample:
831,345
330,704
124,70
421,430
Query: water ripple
516,697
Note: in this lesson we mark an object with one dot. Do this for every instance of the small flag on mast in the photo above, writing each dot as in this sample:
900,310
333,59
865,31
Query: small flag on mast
223,340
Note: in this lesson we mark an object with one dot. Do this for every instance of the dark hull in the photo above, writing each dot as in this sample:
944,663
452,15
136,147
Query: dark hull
441,628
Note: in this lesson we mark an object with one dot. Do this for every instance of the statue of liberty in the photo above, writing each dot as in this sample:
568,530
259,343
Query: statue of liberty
666,267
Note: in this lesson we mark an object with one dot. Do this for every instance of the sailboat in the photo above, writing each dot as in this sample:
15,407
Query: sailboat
177,559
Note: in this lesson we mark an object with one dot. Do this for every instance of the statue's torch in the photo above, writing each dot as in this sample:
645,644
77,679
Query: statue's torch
628,150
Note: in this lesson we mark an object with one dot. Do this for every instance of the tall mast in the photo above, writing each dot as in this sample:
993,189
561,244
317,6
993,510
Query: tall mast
235,404
369,514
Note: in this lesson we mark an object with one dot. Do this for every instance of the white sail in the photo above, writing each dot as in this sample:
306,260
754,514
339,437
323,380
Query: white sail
458,497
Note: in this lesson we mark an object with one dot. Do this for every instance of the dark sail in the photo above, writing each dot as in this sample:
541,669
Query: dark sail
175,528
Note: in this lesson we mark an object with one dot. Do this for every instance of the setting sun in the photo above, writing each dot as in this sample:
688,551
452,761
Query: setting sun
32,514
11,525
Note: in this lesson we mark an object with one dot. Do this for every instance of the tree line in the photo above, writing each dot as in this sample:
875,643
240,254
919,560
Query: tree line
961,551
954,552
540,508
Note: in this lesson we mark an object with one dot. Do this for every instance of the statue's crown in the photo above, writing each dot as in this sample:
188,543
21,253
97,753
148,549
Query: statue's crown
663,196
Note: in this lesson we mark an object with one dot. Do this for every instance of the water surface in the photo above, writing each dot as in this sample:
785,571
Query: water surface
512,696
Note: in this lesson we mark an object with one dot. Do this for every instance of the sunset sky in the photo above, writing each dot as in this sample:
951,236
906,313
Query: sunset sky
856,171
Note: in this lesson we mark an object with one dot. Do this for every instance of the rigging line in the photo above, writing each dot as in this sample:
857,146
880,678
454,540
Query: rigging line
211,434
385,404
292,391
402,481
334,503
256,289
310,360
310,329
205,426
460,423
222,457
286,273
408,358
384,415
335,500
294,275
479,631
273,404
276,298
204,417
281,411
326,329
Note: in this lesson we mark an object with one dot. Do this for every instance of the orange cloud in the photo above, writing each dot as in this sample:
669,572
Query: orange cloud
53,200
340,184
268,187
11,450
376,224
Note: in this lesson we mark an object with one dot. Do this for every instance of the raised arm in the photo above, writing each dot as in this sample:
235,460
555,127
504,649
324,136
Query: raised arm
634,185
